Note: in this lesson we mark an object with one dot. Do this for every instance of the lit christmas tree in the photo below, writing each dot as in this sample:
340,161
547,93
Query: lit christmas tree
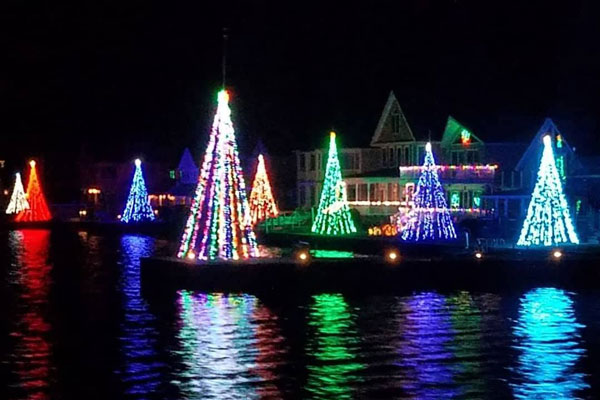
430,218
219,224
138,207
548,221
333,215
18,199
262,203
38,209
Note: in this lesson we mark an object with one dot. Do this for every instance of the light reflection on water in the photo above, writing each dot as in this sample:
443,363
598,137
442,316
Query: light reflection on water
142,373
196,345
547,337
30,272
332,348
229,347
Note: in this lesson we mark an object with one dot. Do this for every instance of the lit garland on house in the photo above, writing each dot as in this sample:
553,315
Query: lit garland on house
333,215
138,207
18,199
548,221
465,167
262,203
430,218
219,223
38,209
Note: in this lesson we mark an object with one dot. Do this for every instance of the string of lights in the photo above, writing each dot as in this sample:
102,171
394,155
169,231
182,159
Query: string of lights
548,221
219,223
333,215
137,208
430,218
18,200
262,202
38,209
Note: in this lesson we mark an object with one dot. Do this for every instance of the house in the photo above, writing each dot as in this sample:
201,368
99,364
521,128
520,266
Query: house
381,178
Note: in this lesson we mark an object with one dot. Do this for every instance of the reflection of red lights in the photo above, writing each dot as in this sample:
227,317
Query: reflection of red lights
32,350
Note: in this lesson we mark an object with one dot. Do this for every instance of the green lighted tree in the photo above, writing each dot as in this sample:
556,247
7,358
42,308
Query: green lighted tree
333,215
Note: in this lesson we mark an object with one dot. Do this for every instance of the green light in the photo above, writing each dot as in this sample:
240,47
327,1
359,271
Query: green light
333,347
455,200
560,165
477,201
578,206
331,254
333,215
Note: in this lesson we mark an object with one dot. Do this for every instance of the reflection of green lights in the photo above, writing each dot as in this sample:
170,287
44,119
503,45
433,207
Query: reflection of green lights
333,347
578,206
331,254
466,345
548,339
477,201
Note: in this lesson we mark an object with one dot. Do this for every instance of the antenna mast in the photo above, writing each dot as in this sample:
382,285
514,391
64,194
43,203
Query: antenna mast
224,61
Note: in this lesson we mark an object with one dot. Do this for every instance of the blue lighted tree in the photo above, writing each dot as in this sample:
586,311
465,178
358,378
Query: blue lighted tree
429,219
548,221
138,207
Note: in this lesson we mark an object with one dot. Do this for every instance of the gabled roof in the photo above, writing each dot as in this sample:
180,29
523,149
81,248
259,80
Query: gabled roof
187,161
533,153
385,132
454,131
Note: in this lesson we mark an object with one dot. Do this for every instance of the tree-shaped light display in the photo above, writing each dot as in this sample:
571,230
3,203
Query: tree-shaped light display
219,223
262,203
137,208
38,209
18,199
548,221
430,218
333,215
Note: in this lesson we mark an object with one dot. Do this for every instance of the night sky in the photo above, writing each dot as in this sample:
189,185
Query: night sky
118,80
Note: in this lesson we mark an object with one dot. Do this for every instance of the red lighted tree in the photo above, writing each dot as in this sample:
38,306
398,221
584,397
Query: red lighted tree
38,209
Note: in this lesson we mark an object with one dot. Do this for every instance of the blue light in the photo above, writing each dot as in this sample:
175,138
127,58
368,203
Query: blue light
548,340
138,207
430,218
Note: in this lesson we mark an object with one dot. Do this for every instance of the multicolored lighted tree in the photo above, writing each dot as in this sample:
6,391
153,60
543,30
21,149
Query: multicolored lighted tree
18,199
137,208
430,218
38,209
262,203
219,224
548,221
333,215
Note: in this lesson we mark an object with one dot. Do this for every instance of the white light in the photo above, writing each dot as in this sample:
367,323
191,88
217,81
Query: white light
478,255
392,255
191,255
138,162
303,256
557,253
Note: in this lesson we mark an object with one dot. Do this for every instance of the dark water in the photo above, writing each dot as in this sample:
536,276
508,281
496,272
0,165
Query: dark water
74,324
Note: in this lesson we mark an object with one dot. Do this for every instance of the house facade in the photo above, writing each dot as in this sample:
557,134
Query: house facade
381,178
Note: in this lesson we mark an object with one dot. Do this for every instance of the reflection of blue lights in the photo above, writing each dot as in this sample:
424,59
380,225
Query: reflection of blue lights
548,341
427,334
138,340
